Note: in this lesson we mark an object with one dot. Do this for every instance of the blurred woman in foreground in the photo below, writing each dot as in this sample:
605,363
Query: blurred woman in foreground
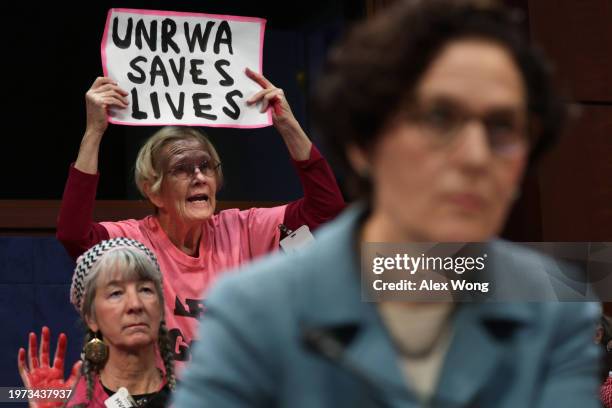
436,108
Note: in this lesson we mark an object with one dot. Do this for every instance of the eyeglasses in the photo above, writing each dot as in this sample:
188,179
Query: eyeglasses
505,129
186,170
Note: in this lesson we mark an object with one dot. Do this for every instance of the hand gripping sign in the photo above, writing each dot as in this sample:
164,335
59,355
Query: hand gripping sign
184,68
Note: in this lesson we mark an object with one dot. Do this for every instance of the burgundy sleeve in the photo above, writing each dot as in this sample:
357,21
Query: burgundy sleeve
75,227
322,199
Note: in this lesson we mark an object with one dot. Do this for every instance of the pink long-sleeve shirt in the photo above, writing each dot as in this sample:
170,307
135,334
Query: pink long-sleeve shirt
229,239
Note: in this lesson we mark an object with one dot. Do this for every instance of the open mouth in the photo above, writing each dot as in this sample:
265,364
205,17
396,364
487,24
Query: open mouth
198,198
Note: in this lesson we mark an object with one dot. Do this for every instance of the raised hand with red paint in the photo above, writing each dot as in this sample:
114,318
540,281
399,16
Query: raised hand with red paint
38,374
270,96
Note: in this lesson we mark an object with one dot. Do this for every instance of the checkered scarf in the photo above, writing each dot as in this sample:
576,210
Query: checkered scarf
86,262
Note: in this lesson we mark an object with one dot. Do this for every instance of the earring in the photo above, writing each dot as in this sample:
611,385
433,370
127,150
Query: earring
96,350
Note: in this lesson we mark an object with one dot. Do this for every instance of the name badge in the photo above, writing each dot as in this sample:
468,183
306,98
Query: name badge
120,399
297,239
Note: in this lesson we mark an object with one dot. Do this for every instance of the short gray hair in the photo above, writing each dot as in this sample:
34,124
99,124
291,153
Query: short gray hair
149,163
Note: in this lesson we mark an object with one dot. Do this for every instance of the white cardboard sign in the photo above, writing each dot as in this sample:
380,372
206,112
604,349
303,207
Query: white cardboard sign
184,68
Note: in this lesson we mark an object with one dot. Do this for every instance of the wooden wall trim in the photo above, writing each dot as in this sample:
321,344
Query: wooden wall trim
39,217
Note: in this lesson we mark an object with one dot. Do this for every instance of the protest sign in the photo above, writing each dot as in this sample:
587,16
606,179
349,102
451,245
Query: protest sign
184,68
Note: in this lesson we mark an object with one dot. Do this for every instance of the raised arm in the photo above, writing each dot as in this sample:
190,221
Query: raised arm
322,199
290,130
75,227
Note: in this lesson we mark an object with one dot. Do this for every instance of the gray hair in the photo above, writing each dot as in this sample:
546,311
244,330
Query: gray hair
137,260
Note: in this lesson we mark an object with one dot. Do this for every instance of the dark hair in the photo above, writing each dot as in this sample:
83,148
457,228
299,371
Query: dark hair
375,69
606,325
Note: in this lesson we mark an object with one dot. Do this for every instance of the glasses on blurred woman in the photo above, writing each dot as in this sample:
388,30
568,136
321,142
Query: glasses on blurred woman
443,121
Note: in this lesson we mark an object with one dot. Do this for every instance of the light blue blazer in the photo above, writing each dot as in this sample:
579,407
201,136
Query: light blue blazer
252,352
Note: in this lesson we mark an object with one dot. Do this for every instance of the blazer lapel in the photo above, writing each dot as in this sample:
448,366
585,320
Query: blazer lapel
372,353
334,303
475,351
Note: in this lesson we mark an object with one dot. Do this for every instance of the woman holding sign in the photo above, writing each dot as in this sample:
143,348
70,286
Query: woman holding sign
179,171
